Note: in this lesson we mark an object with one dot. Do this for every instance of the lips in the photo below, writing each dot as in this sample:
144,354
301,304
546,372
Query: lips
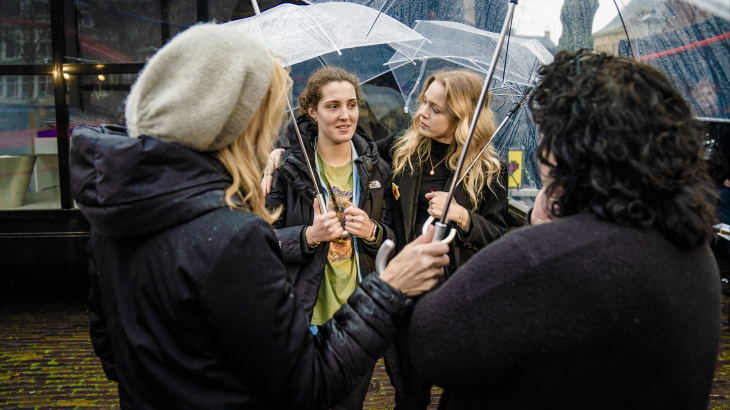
423,125
343,127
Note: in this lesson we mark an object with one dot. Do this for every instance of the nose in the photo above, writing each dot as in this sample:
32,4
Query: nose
343,114
423,111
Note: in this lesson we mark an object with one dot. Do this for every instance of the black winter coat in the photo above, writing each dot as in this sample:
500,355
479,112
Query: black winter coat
292,188
190,306
487,222
579,313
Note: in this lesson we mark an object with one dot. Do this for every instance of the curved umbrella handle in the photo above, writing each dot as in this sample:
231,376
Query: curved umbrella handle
381,260
440,231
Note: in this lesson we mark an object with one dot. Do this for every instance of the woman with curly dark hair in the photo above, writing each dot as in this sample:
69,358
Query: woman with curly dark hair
613,304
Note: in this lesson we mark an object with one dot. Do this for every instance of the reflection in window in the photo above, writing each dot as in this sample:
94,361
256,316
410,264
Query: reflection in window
25,32
98,99
29,177
120,31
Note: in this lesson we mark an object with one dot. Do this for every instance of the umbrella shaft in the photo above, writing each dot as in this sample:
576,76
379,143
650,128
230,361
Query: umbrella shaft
483,149
320,197
480,103
512,112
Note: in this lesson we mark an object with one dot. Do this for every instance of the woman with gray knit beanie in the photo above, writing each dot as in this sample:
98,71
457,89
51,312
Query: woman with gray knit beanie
190,303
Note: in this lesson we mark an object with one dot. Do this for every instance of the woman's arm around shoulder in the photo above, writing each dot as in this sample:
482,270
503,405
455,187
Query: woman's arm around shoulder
386,145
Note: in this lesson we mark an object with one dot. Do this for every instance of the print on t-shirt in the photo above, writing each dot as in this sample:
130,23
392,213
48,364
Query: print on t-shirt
340,248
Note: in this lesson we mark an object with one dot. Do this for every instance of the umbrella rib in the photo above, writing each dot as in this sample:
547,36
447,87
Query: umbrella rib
376,19
418,81
323,32
628,39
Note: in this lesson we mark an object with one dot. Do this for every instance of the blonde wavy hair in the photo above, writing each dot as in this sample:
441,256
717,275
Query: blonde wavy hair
462,93
243,158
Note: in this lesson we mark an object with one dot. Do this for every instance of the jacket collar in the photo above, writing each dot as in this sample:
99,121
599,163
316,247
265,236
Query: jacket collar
294,166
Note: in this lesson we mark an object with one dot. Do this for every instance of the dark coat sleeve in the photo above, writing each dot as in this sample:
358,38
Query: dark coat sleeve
292,239
385,145
487,222
98,324
253,313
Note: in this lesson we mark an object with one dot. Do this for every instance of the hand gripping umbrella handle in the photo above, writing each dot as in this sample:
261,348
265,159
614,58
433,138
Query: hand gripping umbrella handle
438,234
322,205
381,259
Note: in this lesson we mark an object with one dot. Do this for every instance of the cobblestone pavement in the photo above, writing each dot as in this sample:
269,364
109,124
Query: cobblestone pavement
47,362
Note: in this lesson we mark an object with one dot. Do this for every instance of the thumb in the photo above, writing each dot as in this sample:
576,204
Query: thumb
317,212
423,239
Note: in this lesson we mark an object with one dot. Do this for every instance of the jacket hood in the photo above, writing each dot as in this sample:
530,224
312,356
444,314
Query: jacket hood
137,186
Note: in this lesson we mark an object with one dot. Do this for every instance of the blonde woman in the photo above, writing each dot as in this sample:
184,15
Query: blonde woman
190,305
423,159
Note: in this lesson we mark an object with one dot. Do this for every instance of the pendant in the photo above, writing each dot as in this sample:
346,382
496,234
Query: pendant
431,172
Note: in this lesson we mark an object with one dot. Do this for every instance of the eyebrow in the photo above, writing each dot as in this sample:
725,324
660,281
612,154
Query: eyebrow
432,103
337,101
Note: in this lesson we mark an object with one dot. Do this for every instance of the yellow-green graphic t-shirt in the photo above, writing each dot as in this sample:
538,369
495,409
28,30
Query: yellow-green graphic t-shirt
340,271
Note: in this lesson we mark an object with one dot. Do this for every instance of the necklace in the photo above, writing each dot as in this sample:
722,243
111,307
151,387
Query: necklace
437,164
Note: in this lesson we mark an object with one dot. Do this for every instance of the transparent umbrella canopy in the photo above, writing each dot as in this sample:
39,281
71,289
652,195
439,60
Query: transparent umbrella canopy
688,40
690,43
454,44
458,46
346,35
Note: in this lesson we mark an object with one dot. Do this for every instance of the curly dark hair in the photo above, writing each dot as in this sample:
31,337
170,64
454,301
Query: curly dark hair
620,141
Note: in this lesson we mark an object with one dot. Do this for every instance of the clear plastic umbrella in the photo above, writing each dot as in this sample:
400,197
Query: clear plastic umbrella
336,34
457,46
688,42
686,39
299,34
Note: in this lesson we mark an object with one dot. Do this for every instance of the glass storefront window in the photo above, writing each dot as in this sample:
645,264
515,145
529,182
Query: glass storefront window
97,99
25,32
29,177
119,31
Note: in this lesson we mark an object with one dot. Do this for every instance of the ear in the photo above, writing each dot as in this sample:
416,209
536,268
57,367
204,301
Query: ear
312,113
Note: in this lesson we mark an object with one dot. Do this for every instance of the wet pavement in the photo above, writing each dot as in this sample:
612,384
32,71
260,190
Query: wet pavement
47,361
46,357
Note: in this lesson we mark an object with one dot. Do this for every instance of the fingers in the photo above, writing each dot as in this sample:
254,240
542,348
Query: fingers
315,204
352,209
266,184
424,238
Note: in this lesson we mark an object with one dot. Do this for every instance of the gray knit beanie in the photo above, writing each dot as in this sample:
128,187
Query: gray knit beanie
201,89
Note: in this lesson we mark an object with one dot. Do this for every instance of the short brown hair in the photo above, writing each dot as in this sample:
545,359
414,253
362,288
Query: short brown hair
313,91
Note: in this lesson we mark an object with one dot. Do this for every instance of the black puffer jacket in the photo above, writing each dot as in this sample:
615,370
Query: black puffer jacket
292,188
190,306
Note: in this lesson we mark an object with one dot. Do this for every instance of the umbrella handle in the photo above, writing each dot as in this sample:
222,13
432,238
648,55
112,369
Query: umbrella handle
323,210
381,259
438,235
